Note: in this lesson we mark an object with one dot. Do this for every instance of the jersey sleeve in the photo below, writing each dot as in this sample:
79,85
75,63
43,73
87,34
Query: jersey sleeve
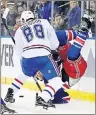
65,35
52,36
18,42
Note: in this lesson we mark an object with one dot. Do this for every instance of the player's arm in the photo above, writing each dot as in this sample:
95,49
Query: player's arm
65,35
18,44
68,35
52,36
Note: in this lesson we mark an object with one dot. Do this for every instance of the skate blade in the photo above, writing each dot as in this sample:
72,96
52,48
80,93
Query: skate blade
41,110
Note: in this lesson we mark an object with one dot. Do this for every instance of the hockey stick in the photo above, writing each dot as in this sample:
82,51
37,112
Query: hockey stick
37,84
4,22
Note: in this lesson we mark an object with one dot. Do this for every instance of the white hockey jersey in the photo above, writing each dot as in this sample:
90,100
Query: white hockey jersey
35,38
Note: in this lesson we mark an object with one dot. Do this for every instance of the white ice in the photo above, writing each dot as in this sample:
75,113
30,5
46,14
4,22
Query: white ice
26,104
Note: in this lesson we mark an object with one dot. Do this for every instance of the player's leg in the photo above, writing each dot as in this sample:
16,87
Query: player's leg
75,65
30,66
52,75
61,95
63,55
15,87
5,109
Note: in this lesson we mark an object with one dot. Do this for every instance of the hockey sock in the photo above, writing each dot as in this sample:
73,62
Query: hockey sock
51,88
18,82
75,48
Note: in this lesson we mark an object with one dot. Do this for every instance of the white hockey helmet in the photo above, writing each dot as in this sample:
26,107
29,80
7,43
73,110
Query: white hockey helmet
26,15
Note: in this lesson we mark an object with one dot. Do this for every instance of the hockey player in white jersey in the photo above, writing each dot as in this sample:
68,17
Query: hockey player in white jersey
34,41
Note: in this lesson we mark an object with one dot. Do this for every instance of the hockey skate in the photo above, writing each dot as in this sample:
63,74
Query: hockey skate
41,102
5,109
9,96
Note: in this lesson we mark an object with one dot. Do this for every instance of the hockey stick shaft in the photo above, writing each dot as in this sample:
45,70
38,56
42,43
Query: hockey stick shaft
4,22
38,85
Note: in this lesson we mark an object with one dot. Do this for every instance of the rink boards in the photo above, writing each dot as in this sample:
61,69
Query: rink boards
83,90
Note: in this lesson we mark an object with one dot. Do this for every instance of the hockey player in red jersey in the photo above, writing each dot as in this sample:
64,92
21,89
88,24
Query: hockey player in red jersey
74,65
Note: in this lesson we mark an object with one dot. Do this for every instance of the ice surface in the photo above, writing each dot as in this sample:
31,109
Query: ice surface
26,104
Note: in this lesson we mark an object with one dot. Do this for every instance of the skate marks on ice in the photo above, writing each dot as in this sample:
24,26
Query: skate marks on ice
26,104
